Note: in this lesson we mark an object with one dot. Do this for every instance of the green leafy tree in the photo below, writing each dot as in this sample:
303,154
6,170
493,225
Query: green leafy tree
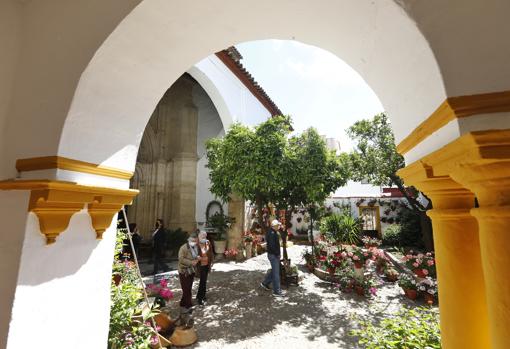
249,162
376,160
312,173
265,165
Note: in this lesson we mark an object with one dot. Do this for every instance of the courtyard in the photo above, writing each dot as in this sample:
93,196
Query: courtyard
314,314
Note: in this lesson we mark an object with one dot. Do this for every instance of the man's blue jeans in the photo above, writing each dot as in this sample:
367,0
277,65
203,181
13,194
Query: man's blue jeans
273,275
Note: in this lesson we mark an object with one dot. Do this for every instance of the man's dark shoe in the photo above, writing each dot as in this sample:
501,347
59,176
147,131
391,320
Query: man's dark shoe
279,294
264,286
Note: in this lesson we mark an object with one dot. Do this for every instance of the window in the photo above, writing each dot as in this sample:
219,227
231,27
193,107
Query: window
369,216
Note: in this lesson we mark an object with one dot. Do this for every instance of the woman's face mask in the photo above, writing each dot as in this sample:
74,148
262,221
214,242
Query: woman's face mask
203,241
192,243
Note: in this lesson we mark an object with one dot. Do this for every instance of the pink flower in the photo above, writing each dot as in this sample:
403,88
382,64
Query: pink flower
154,340
164,282
373,291
365,254
343,254
425,272
350,254
430,262
356,258
415,265
166,293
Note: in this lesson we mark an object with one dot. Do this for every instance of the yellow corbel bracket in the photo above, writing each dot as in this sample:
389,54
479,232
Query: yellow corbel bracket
55,202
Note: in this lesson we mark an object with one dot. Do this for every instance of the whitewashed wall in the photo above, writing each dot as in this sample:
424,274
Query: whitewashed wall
67,283
209,126
241,105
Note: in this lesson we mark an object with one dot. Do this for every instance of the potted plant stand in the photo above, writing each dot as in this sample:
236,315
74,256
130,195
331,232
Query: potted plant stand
220,246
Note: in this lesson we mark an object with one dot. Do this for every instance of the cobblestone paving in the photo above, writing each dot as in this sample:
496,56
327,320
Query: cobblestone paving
240,314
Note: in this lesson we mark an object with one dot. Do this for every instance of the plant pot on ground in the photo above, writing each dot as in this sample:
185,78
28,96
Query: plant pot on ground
360,291
411,294
220,246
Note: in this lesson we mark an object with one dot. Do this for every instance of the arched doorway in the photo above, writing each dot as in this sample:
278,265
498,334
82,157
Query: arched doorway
116,70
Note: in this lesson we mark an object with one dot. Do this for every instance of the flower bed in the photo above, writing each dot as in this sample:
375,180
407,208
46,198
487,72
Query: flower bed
354,269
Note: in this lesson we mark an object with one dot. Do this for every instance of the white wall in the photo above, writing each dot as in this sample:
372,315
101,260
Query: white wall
243,106
357,189
151,49
62,298
209,126
13,215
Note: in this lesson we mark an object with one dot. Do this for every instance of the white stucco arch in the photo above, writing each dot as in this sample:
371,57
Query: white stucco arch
149,55
214,94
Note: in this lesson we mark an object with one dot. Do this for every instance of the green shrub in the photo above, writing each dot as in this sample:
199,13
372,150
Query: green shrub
341,228
126,332
391,235
410,228
416,328
175,239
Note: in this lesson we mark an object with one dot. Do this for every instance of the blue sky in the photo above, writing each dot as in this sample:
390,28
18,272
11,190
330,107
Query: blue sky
312,85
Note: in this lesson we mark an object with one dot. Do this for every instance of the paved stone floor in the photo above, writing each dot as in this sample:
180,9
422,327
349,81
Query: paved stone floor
314,314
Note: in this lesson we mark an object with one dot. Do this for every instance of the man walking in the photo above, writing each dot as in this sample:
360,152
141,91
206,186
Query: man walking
273,254
158,247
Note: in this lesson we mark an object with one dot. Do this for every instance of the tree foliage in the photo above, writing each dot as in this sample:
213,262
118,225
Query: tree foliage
375,158
265,165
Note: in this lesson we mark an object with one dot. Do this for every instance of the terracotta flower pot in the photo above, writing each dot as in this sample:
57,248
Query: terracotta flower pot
429,299
360,291
392,277
116,278
411,294
358,265
164,321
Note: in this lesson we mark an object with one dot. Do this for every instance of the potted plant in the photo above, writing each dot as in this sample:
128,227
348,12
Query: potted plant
428,289
248,243
220,223
391,274
364,285
380,259
371,242
358,256
231,253
310,261
160,291
408,284
422,264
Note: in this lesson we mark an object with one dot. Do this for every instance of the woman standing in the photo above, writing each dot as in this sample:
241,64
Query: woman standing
204,266
189,257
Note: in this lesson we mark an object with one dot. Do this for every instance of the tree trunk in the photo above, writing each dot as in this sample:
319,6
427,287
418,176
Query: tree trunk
288,216
260,217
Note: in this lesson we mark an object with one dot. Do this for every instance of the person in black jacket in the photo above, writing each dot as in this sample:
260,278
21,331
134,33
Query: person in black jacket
158,246
273,254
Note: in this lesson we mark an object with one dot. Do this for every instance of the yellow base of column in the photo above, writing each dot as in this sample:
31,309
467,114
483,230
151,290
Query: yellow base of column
494,226
464,323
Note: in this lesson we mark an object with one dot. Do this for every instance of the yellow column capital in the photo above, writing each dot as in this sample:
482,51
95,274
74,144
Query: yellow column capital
442,189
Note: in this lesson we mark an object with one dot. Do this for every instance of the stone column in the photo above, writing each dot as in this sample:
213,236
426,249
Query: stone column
482,164
236,210
464,320
178,107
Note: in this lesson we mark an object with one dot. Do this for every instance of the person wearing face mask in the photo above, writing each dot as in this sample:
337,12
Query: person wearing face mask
205,265
158,246
189,257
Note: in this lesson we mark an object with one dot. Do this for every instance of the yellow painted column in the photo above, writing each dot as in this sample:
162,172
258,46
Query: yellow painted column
464,321
490,180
